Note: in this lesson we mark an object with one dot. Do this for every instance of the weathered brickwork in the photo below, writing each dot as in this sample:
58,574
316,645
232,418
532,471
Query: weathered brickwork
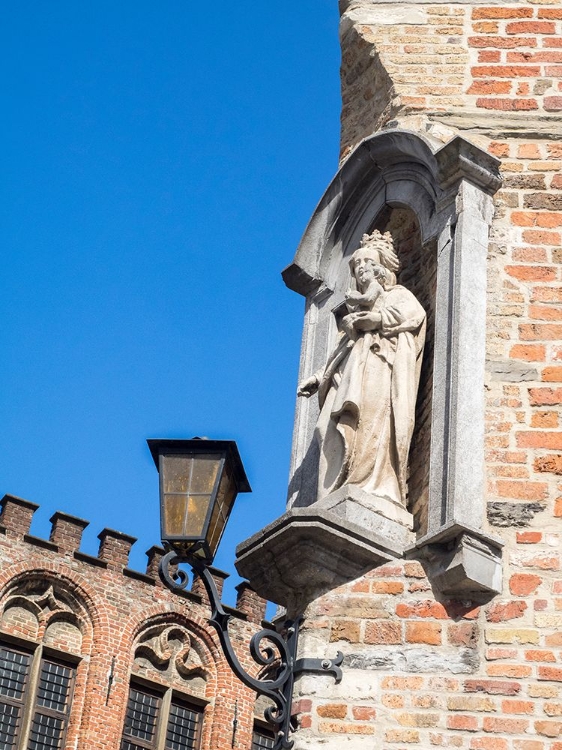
424,670
117,625
447,63
421,672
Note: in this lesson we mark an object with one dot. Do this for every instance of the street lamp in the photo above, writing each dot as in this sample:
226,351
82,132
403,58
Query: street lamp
199,481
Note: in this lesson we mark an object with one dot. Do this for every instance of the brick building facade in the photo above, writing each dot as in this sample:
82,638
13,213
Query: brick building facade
450,110
426,666
97,656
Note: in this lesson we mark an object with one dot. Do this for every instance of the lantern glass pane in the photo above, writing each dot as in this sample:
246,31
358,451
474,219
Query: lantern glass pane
191,474
221,511
204,474
184,515
174,514
177,470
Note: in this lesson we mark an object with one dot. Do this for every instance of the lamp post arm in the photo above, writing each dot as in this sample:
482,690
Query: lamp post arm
281,654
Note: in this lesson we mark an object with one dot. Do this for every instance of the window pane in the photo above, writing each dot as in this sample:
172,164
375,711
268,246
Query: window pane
54,686
46,732
13,671
51,706
9,722
183,728
141,718
261,740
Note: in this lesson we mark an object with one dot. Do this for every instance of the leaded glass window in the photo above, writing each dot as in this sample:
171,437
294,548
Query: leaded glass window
14,676
147,710
50,692
51,706
262,739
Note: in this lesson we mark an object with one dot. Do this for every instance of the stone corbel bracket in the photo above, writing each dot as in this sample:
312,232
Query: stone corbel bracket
449,189
307,552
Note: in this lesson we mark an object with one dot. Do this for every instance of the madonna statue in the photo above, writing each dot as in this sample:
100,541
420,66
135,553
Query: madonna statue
367,390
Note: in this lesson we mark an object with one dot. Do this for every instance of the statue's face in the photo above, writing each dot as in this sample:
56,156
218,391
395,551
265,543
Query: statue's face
366,268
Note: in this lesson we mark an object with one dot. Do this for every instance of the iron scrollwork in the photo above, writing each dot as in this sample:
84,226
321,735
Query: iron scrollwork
278,659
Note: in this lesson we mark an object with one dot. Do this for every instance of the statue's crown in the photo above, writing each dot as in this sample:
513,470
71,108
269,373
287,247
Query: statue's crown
384,245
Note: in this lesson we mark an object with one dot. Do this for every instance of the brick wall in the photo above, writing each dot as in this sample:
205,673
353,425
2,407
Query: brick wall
110,620
422,670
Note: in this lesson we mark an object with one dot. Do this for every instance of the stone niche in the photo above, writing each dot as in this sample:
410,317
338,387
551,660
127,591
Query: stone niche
437,205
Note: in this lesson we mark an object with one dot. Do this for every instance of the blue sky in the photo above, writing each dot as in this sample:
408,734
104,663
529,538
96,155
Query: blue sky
161,163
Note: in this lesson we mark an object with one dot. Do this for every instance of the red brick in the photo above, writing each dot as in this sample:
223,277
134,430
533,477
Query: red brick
506,71
528,352
500,42
536,655
534,57
531,27
553,674
489,56
521,490
528,537
537,439
544,419
523,584
383,631
501,12
504,726
462,634
510,105
387,587
488,743
538,237
551,464
490,87
423,632
552,103
555,13
545,396
502,611
498,149
543,312
549,728
364,713
462,723
517,707
532,273
422,608
501,653
492,687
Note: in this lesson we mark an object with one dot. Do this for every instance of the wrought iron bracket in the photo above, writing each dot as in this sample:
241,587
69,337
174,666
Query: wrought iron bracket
274,652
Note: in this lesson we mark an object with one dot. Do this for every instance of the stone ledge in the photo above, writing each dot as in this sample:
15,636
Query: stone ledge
306,552
462,560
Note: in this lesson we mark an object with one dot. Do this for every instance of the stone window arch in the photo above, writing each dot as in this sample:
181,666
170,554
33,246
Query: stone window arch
45,631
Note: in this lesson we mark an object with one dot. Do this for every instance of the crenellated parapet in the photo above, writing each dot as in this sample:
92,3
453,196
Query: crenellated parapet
113,555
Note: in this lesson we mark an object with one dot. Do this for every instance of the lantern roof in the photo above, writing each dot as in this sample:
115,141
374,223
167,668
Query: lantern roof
203,445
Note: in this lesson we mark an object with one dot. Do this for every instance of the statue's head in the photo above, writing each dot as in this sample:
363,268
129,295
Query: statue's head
379,248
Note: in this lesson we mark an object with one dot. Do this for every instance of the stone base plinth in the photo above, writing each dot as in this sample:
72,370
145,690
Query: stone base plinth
370,512
308,551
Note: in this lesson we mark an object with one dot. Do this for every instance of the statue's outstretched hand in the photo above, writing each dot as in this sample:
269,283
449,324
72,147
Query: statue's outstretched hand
308,387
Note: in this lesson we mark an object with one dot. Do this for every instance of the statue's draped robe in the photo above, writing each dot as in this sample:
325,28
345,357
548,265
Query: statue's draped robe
367,398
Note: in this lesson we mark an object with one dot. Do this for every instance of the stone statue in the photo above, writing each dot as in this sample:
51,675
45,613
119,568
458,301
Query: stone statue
367,390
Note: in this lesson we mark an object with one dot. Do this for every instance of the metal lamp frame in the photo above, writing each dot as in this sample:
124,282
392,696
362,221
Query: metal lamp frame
283,653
